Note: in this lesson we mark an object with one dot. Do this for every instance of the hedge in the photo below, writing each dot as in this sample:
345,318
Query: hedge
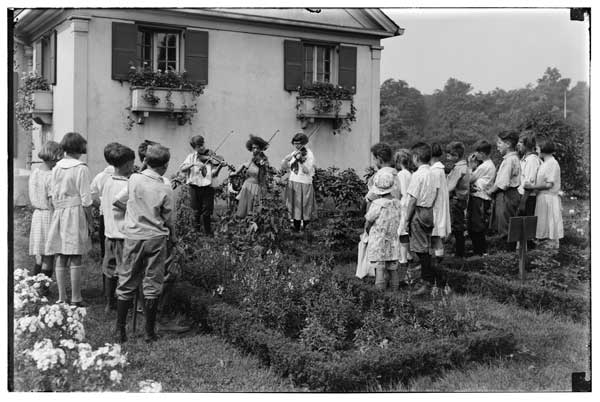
353,370
524,295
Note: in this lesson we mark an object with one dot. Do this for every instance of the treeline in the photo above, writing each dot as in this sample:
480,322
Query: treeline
455,113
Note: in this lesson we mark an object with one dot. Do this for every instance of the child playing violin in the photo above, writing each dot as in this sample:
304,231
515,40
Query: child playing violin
201,167
256,177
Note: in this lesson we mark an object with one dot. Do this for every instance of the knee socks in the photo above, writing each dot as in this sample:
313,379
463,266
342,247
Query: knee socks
380,278
394,279
61,282
76,273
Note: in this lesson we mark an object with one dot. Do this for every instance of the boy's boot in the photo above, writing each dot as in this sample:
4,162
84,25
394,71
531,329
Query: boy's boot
110,286
76,274
394,279
207,228
459,244
122,310
151,307
61,281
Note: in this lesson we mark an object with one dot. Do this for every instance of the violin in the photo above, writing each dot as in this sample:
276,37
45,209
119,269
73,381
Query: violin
260,159
300,156
209,156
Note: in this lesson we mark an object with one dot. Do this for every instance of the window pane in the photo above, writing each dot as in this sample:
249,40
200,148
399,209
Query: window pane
172,66
320,56
161,66
172,41
327,66
171,54
161,39
161,54
308,64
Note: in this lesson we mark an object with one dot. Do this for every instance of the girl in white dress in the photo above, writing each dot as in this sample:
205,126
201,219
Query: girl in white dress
548,205
39,195
69,234
441,206
404,165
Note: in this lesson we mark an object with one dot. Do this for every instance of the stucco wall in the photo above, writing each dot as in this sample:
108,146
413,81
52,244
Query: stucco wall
244,94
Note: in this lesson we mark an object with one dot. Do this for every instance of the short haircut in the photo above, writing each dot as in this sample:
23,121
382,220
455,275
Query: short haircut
509,136
404,157
120,155
107,151
157,156
456,148
546,145
422,151
528,139
51,151
301,138
196,141
383,151
143,147
74,143
483,146
436,150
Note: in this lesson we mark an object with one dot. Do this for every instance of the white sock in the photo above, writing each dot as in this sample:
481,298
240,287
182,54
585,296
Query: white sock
61,282
76,273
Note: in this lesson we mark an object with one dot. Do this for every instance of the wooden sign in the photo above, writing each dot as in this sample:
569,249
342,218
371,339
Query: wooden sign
521,229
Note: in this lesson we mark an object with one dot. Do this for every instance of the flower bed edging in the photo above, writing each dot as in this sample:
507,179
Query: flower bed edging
353,370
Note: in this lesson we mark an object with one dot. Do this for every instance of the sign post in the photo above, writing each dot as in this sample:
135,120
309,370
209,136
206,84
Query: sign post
521,229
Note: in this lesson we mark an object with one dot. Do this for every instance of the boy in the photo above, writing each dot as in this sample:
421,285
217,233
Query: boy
199,178
381,223
530,163
458,188
384,161
479,202
508,179
96,190
148,224
121,158
422,193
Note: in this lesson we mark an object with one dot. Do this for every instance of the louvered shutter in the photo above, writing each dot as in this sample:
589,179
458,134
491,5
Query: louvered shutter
347,68
124,40
52,59
38,57
293,70
196,56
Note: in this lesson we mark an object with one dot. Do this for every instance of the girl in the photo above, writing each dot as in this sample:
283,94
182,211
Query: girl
71,225
548,205
300,194
505,188
382,222
39,194
256,177
405,166
441,207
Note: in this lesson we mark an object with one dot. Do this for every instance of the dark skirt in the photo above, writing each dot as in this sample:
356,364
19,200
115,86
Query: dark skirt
507,206
300,201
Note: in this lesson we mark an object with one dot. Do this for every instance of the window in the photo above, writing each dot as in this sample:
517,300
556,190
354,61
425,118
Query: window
159,50
317,63
46,57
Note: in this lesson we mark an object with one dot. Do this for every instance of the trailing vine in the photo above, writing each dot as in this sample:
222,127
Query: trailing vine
23,108
152,80
328,98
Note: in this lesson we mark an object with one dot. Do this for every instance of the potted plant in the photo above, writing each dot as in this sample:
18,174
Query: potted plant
167,92
326,101
34,101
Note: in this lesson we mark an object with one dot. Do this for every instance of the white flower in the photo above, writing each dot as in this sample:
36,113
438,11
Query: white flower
67,343
220,289
150,386
115,376
571,212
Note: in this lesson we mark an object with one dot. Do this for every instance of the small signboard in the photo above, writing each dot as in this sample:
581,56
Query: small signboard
521,229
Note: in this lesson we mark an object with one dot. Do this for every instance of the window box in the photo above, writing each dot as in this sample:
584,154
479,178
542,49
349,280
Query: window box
166,100
42,107
311,107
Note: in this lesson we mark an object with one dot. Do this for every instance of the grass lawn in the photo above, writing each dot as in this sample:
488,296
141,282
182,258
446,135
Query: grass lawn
550,348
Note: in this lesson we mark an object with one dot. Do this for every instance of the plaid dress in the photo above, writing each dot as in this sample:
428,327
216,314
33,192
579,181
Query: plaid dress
39,193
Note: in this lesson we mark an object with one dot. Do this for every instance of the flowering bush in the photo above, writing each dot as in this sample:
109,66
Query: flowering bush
31,82
49,352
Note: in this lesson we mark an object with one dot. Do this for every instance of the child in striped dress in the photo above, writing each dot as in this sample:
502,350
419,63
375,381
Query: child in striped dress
39,194
71,225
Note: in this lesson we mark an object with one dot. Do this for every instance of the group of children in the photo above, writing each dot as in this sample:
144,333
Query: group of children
137,222
414,203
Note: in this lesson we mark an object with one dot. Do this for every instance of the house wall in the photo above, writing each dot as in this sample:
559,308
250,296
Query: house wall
21,151
244,94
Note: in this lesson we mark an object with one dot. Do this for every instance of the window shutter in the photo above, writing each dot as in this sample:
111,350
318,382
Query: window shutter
38,57
52,59
196,56
347,68
124,41
293,69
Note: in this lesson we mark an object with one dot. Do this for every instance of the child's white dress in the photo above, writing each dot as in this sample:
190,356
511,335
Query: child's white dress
39,191
442,225
548,208
404,180
70,185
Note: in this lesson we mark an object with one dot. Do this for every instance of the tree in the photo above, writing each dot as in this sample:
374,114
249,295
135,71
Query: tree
402,113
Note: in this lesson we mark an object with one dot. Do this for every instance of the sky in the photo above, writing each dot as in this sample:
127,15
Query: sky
491,48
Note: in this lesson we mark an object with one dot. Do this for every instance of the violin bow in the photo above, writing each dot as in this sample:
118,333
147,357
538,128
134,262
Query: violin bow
273,136
223,142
